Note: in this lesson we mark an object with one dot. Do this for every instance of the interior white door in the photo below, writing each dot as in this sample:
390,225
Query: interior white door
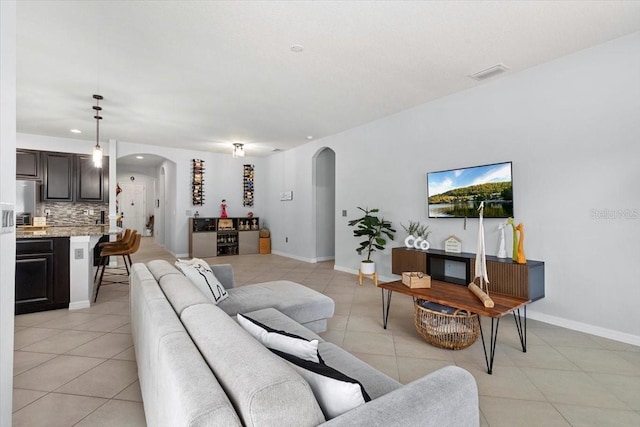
131,202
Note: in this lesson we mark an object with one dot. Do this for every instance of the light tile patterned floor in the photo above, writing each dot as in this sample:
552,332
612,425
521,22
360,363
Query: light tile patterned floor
78,367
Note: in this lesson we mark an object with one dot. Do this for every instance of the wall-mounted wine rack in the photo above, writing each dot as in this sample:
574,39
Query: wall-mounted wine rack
197,182
248,189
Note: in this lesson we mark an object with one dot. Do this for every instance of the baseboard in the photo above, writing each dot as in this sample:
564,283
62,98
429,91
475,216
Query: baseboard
584,327
325,258
296,257
77,305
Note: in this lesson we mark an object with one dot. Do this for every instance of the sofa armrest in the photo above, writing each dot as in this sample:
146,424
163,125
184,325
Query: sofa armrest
447,397
224,273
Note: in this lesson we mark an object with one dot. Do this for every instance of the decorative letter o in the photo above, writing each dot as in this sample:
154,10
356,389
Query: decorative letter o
408,241
424,245
417,242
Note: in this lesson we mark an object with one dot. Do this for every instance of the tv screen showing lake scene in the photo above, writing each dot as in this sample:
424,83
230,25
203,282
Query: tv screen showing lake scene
457,193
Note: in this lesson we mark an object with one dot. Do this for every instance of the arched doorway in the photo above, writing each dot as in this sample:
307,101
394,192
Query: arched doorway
324,178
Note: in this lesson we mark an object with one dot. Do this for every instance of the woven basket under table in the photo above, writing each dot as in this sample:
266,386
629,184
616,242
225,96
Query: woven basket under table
451,331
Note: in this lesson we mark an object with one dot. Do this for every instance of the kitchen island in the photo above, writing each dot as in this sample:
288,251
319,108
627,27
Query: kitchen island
54,266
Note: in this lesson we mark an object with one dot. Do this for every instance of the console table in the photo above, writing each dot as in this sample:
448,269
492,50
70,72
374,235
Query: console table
462,298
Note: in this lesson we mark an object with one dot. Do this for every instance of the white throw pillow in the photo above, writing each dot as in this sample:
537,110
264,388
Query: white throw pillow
335,392
201,275
280,340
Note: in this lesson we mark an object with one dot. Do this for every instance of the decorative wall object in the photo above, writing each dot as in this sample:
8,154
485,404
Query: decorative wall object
247,175
286,196
197,182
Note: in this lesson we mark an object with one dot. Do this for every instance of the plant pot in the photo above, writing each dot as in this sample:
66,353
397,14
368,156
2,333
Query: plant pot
367,267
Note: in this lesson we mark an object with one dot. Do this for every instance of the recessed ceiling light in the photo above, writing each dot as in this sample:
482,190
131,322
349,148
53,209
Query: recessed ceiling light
140,157
75,131
310,137
297,48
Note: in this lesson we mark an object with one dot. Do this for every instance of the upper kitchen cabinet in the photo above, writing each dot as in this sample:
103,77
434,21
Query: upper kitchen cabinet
92,183
58,177
28,164
71,177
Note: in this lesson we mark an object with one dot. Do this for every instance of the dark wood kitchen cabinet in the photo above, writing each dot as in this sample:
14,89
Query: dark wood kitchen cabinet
42,274
58,177
28,164
69,177
92,183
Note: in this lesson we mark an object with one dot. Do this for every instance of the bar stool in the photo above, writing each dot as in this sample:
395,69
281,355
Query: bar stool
125,251
123,240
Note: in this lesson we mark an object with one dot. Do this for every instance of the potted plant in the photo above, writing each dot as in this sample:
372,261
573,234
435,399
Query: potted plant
417,235
373,230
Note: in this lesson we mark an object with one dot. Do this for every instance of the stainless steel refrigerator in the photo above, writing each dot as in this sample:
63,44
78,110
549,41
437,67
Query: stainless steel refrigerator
26,196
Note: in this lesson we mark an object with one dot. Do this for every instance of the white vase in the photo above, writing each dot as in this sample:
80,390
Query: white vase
367,267
409,241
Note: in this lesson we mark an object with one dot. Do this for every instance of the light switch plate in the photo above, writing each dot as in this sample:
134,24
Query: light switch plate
8,218
78,253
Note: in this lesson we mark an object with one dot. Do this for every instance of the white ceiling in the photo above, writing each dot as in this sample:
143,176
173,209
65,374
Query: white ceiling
204,74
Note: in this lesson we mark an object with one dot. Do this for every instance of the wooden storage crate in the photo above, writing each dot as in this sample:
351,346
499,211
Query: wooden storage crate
416,279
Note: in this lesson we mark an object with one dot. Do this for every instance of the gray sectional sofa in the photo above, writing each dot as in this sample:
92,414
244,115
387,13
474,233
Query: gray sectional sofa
198,367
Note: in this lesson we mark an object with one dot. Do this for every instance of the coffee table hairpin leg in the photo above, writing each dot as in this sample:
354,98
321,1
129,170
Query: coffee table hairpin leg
385,307
495,323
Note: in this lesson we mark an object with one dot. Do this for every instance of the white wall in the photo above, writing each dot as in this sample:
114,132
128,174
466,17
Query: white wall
223,180
7,195
571,128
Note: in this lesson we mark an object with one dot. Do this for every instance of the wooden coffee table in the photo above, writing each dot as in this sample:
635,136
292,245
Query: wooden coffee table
462,298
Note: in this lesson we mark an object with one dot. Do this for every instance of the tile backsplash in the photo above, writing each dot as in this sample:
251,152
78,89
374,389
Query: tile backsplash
71,214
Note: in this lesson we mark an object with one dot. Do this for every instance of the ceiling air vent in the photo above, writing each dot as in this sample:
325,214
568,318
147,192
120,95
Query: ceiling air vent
490,72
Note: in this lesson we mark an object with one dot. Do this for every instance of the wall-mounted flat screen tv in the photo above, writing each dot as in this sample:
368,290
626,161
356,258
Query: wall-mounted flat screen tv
457,193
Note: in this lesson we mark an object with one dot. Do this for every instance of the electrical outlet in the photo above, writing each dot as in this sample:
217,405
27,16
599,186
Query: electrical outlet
78,253
47,212
286,240
91,211
344,212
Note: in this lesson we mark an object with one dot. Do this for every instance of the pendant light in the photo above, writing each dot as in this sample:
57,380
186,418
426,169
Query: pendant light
238,150
97,150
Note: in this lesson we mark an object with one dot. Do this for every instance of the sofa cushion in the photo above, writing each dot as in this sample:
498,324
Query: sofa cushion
181,293
264,390
300,303
160,268
202,276
336,393
280,340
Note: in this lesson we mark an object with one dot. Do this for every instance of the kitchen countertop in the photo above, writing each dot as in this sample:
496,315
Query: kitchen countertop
86,230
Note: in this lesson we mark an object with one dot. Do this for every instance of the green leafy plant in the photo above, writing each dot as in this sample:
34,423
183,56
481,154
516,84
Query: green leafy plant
416,229
373,229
